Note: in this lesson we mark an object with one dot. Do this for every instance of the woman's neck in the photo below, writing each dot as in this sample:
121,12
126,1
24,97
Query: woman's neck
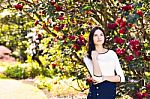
100,48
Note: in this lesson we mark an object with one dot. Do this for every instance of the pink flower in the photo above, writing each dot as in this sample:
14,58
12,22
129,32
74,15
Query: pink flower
129,58
119,40
120,51
111,25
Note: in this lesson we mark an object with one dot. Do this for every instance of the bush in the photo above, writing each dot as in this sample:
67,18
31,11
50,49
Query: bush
17,72
22,71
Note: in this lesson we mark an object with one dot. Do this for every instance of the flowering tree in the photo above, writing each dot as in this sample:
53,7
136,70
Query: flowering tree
61,27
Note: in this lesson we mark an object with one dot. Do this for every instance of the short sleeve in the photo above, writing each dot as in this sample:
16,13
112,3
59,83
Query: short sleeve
118,68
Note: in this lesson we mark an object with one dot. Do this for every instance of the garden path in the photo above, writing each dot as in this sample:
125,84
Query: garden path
14,89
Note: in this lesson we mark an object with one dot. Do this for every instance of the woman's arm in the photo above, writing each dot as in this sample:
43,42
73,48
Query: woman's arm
119,77
96,68
89,64
112,78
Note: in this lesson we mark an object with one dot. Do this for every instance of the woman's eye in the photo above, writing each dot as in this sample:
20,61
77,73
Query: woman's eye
95,35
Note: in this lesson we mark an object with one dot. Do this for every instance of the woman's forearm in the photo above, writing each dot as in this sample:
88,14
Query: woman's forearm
96,68
112,78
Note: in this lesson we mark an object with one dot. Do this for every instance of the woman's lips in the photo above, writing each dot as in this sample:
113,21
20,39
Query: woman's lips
99,40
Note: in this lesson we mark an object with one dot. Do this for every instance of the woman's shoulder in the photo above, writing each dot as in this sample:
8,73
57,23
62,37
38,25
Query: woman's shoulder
85,55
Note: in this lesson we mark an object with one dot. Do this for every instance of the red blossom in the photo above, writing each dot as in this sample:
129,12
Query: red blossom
62,69
62,26
135,45
137,53
57,28
119,40
145,94
120,51
81,40
52,2
146,58
139,95
54,65
122,30
61,17
122,23
118,21
58,8
19,7
89,80
40,36
111,25
71,37
36,22
64,37
134,42
88,12
76,47
64,42
139,12
148,86
130,25
120,1
127,7
129,57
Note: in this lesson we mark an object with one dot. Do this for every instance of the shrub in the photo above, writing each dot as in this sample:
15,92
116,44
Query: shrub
22,71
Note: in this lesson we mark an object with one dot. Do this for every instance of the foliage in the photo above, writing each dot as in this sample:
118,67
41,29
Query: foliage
59,87
59,37
22,71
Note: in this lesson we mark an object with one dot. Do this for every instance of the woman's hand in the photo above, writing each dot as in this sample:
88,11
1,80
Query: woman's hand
94,80
97,80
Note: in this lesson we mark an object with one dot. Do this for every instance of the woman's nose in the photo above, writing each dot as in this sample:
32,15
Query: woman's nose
99,37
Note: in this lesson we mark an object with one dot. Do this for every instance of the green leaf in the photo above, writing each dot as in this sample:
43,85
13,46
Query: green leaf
87,7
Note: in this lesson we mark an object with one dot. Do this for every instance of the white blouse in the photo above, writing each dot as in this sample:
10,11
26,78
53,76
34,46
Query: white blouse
109,64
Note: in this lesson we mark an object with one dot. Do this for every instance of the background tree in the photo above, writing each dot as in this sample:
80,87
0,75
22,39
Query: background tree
58,38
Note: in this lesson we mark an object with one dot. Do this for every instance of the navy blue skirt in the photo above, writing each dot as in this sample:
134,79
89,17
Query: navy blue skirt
104,90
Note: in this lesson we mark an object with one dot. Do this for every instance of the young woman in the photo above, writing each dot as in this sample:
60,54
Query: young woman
104,67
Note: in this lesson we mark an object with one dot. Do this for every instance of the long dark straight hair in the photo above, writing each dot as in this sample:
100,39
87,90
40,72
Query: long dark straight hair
91,45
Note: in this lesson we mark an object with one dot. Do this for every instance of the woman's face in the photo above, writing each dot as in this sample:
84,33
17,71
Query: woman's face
98,37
